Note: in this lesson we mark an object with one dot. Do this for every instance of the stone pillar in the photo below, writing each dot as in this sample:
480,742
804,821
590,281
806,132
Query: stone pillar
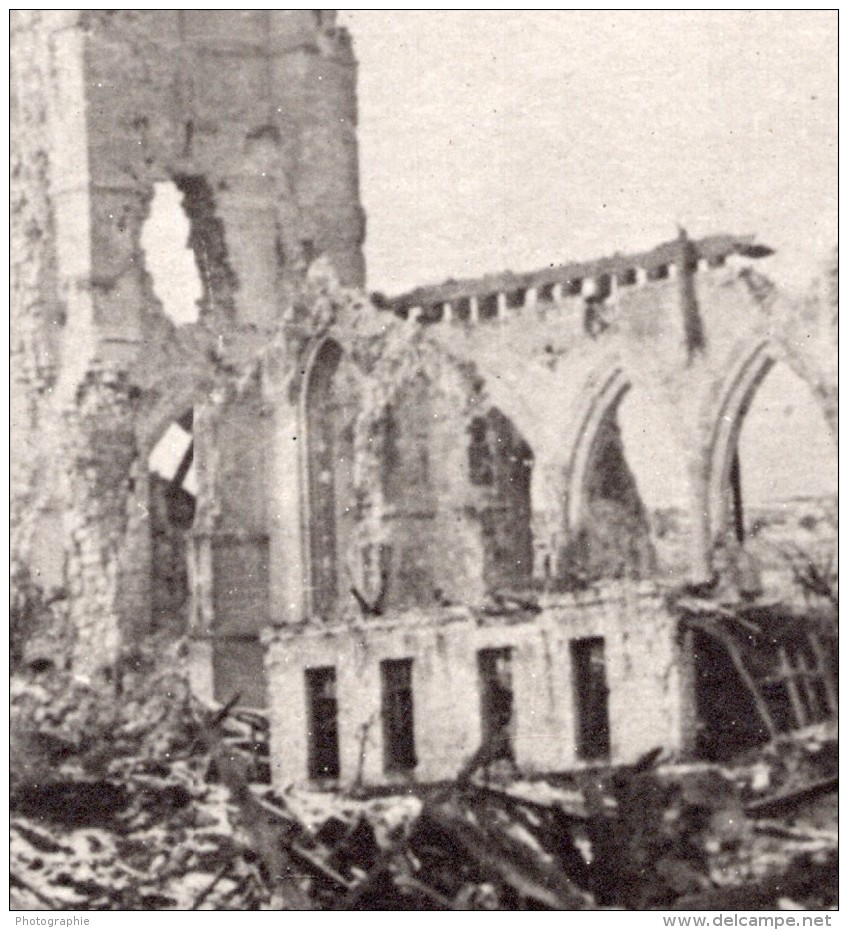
99,456
285,483
700,551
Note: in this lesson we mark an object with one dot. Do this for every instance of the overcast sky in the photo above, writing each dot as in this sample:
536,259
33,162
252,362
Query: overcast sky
494,140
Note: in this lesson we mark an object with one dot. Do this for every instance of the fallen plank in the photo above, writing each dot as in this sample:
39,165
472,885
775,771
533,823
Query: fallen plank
49,903
314,863
407,881
503,862
827,839
786,800
205,892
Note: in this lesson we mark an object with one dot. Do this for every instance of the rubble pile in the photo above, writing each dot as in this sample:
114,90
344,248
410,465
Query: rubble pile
145,803
111,801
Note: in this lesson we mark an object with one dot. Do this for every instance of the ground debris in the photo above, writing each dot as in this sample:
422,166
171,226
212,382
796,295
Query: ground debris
173,817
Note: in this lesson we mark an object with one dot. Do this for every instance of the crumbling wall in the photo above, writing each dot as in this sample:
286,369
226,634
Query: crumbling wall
98,454
689,328
37,316
646,701
253,115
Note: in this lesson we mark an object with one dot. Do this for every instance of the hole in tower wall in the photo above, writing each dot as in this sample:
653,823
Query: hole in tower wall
171,495
168,258
207,241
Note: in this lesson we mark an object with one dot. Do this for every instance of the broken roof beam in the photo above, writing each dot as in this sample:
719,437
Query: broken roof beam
712,630
598,277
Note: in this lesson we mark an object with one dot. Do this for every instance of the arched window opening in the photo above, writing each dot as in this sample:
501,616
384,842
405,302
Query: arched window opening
613,539
168,258
329,420
500,463
654,459
172,498
780,499
404,435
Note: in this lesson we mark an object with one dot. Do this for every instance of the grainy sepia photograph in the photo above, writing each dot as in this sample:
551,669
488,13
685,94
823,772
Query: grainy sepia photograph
424,468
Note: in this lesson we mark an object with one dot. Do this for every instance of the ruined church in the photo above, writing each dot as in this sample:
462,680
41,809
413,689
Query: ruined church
411,530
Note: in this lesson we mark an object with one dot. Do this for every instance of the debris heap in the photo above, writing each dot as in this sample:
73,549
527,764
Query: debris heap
153,802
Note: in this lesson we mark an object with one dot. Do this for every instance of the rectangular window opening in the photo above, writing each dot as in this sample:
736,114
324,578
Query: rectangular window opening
398,715
496,702
322,723
462,309
515,299
658,273
591,697
488,307
545,293
603,286
432,314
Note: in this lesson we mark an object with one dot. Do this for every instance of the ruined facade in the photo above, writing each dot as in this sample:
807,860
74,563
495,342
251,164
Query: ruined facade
414,528
252,115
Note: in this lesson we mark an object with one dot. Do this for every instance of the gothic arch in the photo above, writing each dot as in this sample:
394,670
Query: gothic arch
607,531
736,397
603,394
324,467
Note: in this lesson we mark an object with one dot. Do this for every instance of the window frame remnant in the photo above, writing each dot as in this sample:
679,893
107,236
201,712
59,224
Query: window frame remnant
497,702
322,725
328,464
591,698
398,715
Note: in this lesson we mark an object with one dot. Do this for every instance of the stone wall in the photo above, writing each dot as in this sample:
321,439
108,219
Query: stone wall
252,114
646,675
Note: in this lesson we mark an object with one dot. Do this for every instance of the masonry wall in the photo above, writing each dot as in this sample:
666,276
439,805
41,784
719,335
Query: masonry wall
252,115
646,674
